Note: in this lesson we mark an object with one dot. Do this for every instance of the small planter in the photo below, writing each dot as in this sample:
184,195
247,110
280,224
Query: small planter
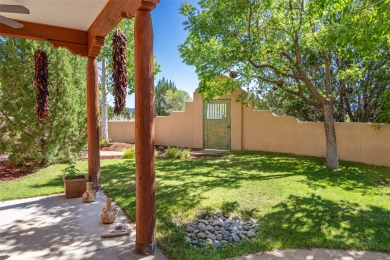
75,188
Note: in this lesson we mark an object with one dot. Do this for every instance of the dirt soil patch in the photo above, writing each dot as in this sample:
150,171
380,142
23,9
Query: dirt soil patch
9,172
119,147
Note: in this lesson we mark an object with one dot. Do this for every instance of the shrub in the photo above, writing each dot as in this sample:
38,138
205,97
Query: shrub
173,152
129,153
104,142
184,153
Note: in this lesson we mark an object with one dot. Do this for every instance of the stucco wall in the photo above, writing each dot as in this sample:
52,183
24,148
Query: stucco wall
121,131
264,131
359,142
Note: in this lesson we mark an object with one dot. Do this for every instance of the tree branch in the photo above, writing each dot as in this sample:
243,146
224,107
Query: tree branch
303,75
328,84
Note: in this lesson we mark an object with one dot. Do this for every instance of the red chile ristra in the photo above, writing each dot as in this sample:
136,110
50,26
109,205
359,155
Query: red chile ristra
119,70
41,85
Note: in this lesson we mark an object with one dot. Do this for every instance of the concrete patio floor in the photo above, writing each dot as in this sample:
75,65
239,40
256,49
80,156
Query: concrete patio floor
53,227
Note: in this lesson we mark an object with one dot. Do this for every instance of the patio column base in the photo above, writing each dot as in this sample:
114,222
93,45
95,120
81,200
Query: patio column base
145,250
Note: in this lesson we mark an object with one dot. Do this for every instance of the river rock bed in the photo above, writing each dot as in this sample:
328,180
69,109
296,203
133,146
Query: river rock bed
217,231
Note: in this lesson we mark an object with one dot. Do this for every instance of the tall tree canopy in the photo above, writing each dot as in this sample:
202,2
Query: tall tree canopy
168,98
23,137
303,48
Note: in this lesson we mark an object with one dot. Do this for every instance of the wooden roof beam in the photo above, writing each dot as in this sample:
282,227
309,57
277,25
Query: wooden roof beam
112,14
76,41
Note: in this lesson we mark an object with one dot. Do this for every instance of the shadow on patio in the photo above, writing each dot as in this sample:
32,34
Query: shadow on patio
57,228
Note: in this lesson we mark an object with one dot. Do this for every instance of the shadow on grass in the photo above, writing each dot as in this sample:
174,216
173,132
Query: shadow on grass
179,183
349,176
317,222
309,221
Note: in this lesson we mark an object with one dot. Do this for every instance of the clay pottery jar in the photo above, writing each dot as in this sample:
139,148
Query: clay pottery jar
108,214
89,195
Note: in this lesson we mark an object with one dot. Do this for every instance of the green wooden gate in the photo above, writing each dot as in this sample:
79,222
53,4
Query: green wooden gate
216,124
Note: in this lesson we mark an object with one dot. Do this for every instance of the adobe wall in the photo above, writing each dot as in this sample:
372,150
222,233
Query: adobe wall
359,142
264,131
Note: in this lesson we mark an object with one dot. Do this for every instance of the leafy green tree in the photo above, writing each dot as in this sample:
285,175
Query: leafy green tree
304,48
175,100
168,98
105,69
384,114
23,137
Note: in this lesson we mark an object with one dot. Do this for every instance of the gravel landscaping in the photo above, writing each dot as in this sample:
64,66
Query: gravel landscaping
217,231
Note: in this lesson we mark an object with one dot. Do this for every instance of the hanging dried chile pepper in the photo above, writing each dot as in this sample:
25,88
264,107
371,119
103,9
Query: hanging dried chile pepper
41,85
119,70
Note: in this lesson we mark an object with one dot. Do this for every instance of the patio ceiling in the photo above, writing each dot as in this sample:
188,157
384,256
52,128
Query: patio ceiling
79,26
63,13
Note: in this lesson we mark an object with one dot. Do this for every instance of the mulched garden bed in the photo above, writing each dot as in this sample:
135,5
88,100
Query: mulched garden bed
118,147
9,172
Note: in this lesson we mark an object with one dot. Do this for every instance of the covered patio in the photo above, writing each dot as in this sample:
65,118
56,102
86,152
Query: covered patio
81,27
53,227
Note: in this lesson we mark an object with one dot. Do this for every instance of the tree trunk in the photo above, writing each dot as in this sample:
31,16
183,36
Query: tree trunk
332,160
104,127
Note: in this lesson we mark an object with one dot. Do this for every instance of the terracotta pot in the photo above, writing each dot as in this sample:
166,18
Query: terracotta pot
89,195
75,188
108,214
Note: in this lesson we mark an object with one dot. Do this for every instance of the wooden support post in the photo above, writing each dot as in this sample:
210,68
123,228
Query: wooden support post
144,134
93,123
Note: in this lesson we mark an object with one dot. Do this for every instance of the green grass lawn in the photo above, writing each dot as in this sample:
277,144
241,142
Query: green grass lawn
298,203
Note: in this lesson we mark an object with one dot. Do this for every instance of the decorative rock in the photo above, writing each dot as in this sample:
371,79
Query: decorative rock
218,231
216,244
205,222
235,237
209,228
236,231
201,225
212,236
251,233
226,224
227,233
243,237
202,235
217,223
246,228
190,229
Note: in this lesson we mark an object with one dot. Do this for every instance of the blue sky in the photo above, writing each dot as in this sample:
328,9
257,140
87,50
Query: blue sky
168,34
